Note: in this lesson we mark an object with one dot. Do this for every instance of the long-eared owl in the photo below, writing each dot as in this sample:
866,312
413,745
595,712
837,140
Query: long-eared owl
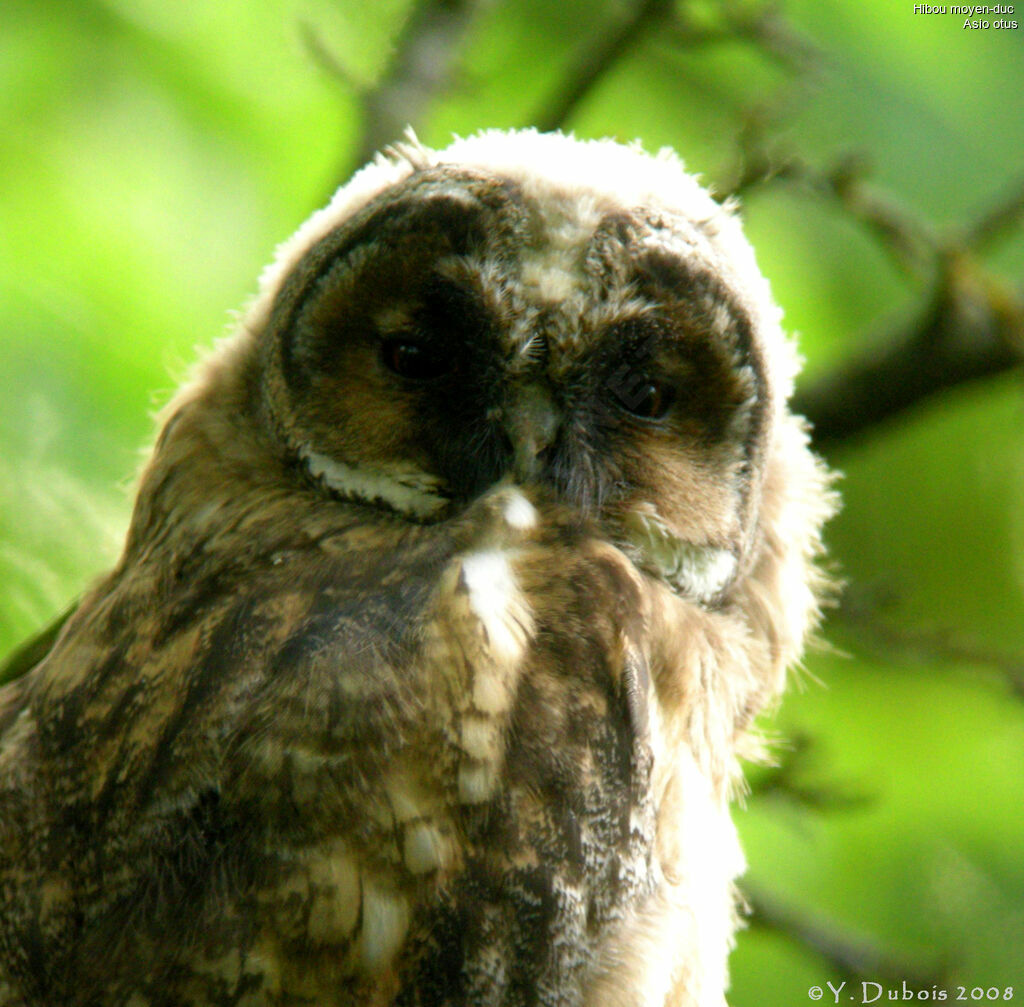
454,582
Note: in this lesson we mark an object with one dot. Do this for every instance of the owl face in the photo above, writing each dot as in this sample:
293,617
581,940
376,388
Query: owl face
471,323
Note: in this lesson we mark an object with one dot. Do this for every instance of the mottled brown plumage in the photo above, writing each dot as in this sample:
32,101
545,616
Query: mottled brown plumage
453,585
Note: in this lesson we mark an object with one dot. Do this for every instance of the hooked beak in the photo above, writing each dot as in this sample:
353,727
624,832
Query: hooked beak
532,423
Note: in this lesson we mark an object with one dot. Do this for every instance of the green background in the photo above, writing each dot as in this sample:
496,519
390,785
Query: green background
152,155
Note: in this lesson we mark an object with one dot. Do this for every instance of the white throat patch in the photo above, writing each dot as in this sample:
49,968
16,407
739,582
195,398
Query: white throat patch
409,491
699,572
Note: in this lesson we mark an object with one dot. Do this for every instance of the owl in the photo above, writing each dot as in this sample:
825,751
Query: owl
454,583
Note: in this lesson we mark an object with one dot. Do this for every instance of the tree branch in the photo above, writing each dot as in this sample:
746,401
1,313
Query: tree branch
328,60
913,244
768,28
926,645
994,224
789,778
971,325
972,328
420,71
596,60
761,25
853,957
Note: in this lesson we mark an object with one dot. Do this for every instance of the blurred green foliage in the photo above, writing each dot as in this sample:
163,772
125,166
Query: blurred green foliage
153,154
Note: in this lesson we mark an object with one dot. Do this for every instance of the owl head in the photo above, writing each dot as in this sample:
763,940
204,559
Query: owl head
576,317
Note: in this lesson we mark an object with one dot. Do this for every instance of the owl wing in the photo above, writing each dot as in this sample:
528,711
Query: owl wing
361,765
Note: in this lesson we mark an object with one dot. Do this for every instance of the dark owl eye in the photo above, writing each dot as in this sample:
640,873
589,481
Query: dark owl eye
647,398
414,360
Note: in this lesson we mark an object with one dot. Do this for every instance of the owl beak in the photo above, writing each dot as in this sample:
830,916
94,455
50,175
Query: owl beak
532,424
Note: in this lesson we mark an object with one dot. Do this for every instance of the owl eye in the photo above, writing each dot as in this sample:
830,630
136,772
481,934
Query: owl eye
646,398
413,360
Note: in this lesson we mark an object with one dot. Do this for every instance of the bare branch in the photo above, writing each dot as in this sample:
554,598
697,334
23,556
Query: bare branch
927,645
853,957
971,325
328,60
913,244
765,26
761,25
788,779
420,71
996,222
973,328
911,241
596,60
